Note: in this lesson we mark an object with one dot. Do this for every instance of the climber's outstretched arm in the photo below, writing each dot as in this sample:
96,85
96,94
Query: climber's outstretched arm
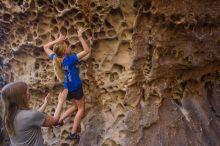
47,47
86,48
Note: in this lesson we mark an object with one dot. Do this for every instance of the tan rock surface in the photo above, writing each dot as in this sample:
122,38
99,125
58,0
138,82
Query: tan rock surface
153,77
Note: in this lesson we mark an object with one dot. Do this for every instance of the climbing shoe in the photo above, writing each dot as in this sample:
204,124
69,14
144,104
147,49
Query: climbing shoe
58,125
73,136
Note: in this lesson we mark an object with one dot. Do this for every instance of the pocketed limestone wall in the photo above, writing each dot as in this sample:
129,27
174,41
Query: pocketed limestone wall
153,77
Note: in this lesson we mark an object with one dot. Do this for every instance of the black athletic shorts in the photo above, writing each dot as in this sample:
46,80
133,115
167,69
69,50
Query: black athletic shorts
77,95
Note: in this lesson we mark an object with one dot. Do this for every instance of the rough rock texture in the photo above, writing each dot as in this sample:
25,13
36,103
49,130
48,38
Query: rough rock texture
153,77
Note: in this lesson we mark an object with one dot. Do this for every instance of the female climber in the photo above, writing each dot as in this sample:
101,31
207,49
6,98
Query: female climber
64,60
23,124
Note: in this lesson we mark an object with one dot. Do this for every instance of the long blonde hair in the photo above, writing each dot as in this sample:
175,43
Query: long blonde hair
59,50
14,97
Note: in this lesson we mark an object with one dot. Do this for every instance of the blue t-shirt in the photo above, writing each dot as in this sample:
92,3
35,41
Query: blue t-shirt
71,74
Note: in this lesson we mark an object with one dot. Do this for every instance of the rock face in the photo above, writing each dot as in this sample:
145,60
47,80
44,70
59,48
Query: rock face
153,77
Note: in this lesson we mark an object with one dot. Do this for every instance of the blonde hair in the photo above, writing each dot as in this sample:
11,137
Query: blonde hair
59,50
14,97
57,66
